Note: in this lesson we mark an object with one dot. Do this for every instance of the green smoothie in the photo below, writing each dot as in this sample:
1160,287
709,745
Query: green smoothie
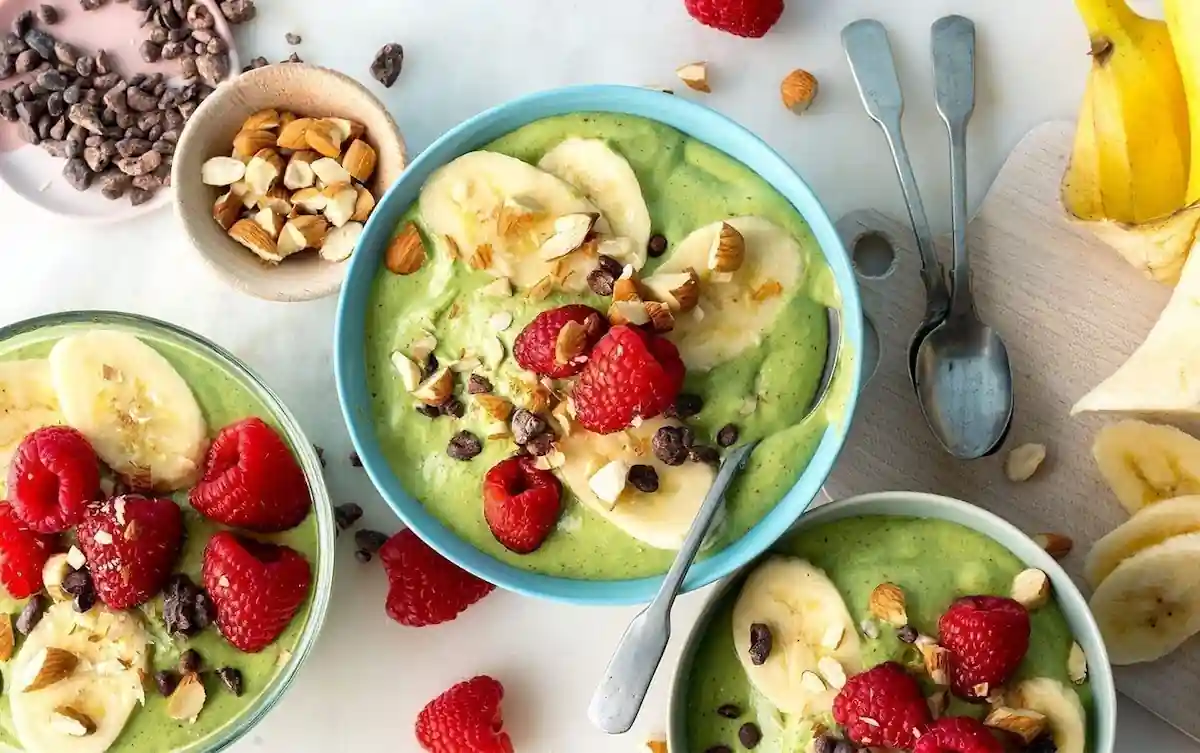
686,185
150,730
933,561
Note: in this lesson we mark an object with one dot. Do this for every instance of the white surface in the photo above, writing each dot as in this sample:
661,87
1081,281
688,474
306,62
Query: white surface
368,678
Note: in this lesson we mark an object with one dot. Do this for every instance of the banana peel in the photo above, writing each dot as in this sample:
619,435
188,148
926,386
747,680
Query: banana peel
1158,249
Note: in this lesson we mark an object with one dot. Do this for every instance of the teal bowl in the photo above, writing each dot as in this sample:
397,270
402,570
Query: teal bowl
696,121
1102,722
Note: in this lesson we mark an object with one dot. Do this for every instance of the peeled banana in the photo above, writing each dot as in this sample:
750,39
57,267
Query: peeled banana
1065,716
1146,463
27,402
1183,21
1150,527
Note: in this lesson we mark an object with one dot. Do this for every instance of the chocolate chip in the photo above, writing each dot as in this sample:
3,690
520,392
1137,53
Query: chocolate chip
355,460
205,610
845,746
669,445
172,50
40,42
104,63
727,435
26,61
140,100
30,110
464,446
702,454
238,11
526,425
429,411
114,184
8,66
729,711
824,744
643,478
760,643
22,22
107,81
362,556
198,17
12,44
213,68
1042,744
189,661
95,159
133,147
346,515
66,53
749,735
55,148
77,173
686,405
431,366
47,14
385,68
187,66
600,282
540,445
217,46
31,615
187,609
89,5
77,582
87,117
453,407
293,38
657,245
369,541
478,385
232,678
85,65
28,132
52,81
56,105
907,634
166,681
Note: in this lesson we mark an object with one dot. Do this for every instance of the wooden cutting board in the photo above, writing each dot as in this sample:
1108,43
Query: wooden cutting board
1070,311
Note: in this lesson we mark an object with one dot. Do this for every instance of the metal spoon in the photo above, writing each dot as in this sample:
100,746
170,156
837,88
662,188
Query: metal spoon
964,379
874,69
619,697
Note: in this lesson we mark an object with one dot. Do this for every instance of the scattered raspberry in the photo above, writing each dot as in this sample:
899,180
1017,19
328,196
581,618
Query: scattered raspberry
251,480
882,707
54,474
425,588
465,719
987,637
958,734
521,503
745,18
535,347
22,554
131,544
256,588
630,375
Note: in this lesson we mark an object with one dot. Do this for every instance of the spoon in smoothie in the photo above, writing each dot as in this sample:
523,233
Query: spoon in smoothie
619,697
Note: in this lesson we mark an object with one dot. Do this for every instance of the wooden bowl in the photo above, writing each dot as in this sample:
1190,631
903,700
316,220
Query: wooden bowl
306,90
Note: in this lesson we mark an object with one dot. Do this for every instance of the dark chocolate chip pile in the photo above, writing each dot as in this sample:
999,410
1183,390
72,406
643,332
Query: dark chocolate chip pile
671,443
643,478
464,446
78,584
233,679
760,643
526,425
385,68
727,436
187,609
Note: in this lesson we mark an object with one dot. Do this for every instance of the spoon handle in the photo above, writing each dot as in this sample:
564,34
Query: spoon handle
874,69
954,75
619,697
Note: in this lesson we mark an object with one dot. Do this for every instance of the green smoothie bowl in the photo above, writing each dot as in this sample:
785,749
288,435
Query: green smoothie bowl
166,539
896,621
563,314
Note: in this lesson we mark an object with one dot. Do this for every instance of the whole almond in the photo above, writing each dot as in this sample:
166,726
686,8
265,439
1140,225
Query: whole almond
571,342
263,119
887,603
247,143
251,235
406,252
227,210
294,134
728,250
359,160
798,90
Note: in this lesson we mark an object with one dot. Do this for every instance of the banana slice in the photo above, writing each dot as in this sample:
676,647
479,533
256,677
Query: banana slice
607,180
1150,527
1150,604
498,211
27,402
736,309
1060,705
104,687
660,519
1146,463
809,623
132,405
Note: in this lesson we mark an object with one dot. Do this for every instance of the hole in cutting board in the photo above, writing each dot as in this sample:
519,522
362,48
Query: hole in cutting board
873,256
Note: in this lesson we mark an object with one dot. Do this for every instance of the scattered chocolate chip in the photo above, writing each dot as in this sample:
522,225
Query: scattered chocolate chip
12,44
22,22
205,610
55,148
78,174
346,515
293,58
40,42
232,678
845,746
28,132
172,50
729,711
198,17
104,63
749,735
52,81
643,478
26,61
186,608
362,556
87,117
760,643
453,407
30,110
478,385
31,615
429,411
824,744
135,166
90,5
526,425
385,68
601,282
189,661
669,445
727,435
187,66
140,100
66,53
540,445
8,66
907,634
369,541
431,365
686,405
610,265
47,14
213,68
95,159
114,184
77,581
1042,744
238,11
702,454
166,681
56,105
657,245
464,446
355,460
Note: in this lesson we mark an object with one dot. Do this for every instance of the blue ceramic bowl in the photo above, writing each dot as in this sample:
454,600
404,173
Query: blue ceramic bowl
701,124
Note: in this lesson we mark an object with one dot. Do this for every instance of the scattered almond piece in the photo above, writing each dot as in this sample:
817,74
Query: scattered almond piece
247,143
798,90
516,215
625,288
550,461
1027,725
251,235
363,205
222,171
1023,462
7,639
695,75
541,289
359,160
269,221
330,172
571,342
1077,668
812,683
340,242
1031,588
495,406
660,316
294,134
570,232
627,312
608,482
186,703
410,373
48,666
832,671
769,289
260,175
936,659
655,746
324,138
679,290
833,637
500,321
278,200
346,128
310,200
482,257
340,199
437,388
69,721
728,250
888,604
227,210
299,174
500,287
1055,544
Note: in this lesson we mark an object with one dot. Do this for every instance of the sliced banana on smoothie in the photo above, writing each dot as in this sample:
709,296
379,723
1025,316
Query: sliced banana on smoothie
1146,463
607,180
1065,717
1150,527
77,679
814,642
1150,604
27,402
746,278
132,405
661,518
499,213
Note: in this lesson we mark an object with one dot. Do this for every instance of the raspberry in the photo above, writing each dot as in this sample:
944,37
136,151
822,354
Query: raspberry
251,480
536,346
631,375
958,734
891,699
521,503
131,544
987,637
745,18
465,719
256,588
425,588
23,553
53,476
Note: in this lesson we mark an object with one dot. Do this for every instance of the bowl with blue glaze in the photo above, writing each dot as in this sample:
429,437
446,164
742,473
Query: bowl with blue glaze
354,384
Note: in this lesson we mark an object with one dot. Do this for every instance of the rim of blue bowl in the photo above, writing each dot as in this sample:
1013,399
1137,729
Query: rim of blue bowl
694,120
